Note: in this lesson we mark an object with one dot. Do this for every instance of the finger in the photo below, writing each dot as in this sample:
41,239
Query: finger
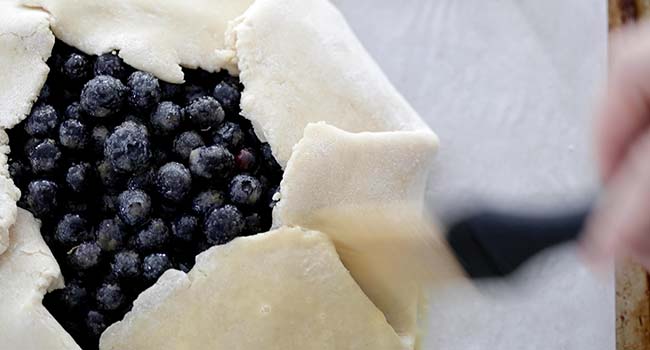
625,114
620,224
639,253
625,111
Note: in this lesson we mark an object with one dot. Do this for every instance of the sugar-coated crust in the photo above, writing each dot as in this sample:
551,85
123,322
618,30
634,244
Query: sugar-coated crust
26,42
156,36
301,64
27,271
277,290
306,78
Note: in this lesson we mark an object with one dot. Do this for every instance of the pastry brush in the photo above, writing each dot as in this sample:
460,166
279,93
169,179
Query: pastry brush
495,243
404,239
399,254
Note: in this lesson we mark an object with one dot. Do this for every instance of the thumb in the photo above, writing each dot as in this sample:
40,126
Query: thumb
625,110
620,224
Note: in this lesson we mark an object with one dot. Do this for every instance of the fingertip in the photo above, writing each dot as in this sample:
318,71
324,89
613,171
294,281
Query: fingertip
597,261
594,249
622,117
595,243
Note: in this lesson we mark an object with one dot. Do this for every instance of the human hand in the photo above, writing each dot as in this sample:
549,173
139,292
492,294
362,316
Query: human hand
620,224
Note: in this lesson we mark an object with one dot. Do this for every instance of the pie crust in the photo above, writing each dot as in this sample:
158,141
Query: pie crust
345,136
299,303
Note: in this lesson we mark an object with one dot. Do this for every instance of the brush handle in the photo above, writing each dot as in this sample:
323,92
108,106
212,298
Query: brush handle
493,244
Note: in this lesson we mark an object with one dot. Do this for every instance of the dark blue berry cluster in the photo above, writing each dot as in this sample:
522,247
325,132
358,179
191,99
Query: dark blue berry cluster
132,176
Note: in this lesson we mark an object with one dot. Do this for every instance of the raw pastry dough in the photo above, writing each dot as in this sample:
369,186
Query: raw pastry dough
25,43
284,289
9,194
156,36
365,190
27,271
301,63
353,168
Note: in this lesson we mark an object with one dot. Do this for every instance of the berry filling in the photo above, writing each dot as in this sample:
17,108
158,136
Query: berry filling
132,176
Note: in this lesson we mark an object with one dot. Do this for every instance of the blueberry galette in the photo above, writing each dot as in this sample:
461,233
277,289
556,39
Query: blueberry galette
170,173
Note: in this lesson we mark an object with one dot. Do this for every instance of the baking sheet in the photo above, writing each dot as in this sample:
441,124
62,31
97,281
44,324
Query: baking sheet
509,86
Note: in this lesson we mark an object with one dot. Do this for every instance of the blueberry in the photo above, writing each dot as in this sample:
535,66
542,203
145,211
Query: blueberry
245,160
144,91
185,228
192,92
229,135
223,224
73,296
254,224
108,204
78,177
57,57
233,81
137,119
42,121
71,230
109,297
185,266
228,96
73,111
98,138
110,64
85,256
154,237
134,207
96,323
76,67
270,198
205,112
211,162
19,171
206,201
173,181
77,206
185,142
111,179
143,181
128,148
245,190
126,265
44,94
264,180
166,118
155,265
30,144
110,235
45,157
267,157
169,91
103,96
73,134
42,197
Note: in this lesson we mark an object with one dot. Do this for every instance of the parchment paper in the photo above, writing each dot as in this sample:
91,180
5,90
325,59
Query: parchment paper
509,86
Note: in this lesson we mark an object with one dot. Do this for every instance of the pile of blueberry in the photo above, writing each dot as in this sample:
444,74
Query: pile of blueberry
132,176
